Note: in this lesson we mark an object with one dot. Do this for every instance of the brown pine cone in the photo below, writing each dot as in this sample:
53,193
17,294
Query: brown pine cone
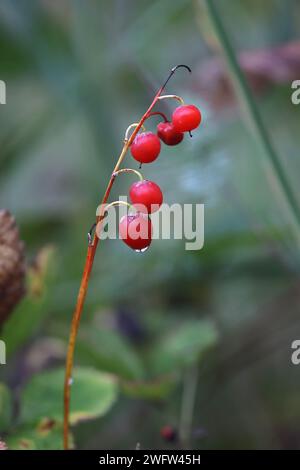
12,266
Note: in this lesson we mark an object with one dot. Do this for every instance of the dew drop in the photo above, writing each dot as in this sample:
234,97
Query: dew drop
142,250
70,382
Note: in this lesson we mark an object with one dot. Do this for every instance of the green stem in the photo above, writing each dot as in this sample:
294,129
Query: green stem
188,404
276,172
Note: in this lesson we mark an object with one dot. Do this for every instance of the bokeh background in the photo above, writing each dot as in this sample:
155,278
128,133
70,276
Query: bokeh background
198,341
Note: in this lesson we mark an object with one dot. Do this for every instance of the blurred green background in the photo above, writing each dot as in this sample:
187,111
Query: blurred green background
77,74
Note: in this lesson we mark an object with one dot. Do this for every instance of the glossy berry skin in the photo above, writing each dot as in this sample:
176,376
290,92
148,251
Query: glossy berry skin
146,147
136,231
146,195
168,134
186,118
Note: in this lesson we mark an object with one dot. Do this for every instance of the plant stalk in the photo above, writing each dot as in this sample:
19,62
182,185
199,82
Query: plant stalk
188,404
89,265
278,178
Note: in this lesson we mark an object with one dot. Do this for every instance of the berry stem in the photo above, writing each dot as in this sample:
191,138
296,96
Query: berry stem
90,256
117,203
134,125
158,113
175,97
129,170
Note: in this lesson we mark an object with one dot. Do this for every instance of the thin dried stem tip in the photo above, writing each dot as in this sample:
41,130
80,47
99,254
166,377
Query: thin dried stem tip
173,70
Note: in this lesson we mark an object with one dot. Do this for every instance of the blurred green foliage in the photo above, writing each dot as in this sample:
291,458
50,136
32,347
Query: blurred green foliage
78,73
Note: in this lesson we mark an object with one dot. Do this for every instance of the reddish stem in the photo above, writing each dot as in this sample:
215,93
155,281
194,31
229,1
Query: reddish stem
88,269
158,113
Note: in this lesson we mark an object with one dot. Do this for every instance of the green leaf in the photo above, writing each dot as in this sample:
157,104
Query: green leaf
109,351
29,313
93,394
183,347
47,435
5,407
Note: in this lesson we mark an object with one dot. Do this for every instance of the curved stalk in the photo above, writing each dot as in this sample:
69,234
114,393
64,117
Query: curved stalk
189,395
158,113
132,126
117,203
174,97
275,170
91,251
129,170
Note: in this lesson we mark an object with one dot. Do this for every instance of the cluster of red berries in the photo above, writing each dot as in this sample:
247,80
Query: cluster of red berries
146,196
146,146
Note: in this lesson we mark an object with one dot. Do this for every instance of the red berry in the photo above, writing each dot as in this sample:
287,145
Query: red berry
168,433
186,118
136,231
168,134
146,193
146,147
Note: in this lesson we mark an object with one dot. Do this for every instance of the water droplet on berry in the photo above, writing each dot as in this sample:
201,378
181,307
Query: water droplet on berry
70,382
142,250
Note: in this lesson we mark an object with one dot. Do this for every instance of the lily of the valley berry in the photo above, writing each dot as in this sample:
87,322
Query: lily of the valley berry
146,197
